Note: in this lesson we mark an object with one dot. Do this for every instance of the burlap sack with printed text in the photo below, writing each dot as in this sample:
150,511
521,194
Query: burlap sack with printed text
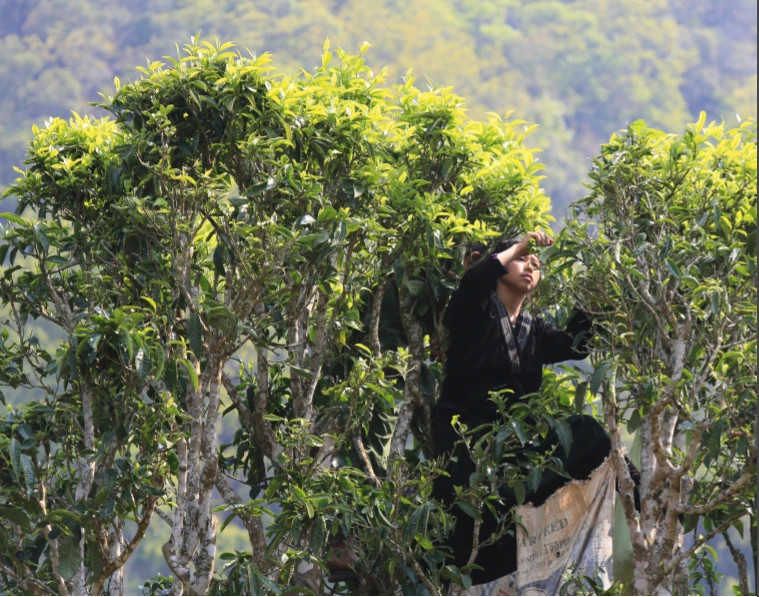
571,531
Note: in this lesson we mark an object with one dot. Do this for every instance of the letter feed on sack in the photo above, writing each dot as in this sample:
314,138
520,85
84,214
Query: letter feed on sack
572,531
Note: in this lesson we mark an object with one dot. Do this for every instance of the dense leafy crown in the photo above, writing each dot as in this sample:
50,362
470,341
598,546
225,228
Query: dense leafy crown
229,211
663,253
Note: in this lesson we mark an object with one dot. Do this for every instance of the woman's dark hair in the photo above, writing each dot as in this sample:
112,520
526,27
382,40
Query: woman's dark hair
482,248
477,247
505,244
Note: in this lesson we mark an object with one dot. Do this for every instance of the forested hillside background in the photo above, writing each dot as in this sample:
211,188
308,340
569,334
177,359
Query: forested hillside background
581,69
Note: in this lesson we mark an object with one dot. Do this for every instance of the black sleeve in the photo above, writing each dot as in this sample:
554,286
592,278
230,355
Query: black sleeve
560,346
474,288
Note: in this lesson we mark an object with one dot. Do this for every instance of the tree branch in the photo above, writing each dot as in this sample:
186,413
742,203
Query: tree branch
668,534
203,543
295,340
653,481
264,431
661,457
67,317
719,499
252,523
374,320
650,302
165,517
54,556
358,444
29,584
477,522
626,484
428,583
170,548
412,383
111,567
673,562
690,455
740,561
87,469
318,354
245,416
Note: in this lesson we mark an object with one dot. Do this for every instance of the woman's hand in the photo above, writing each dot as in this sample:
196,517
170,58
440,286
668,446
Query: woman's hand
524,247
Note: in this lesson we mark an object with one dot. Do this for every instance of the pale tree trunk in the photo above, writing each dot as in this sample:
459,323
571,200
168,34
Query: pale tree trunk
116,539
54,557
307,313
374,320
656,535
412,391
78,583
680,579
626,485
646,531
191,549
86,478
307,574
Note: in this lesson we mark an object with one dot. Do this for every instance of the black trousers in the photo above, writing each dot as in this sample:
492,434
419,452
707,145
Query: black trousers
590,447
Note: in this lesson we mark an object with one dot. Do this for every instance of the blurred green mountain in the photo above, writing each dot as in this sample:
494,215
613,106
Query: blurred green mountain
579,68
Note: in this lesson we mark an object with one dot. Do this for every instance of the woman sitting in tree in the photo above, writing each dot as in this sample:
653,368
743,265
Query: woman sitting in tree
494,344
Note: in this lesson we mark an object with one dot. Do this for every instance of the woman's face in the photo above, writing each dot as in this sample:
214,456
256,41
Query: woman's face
524,274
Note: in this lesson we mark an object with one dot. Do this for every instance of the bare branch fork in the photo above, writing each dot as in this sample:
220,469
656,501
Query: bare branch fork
112,565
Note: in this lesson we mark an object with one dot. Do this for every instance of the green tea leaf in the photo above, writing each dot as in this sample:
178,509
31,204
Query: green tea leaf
30,476
191,372
226,522
564,432
195,335
580,392
15,449
415,287
598,376
519,430
69,557
300,372
95,557
17,516
218,260
470,510
519,492
672,267
318,534
11,217
534,478
142,364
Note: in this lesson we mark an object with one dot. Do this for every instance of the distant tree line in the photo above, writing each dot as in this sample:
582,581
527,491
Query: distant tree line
581,69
